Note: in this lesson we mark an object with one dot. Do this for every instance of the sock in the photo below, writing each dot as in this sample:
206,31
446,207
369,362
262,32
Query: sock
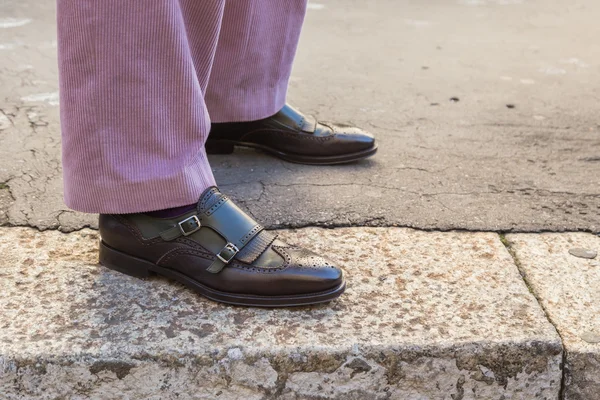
171,212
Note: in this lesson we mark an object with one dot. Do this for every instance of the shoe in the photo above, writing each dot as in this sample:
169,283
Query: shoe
220,252
294,137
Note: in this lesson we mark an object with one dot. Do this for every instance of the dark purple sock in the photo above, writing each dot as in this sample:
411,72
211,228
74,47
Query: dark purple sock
171,212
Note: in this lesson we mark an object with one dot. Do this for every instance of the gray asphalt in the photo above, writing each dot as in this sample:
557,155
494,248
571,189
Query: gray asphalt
517,150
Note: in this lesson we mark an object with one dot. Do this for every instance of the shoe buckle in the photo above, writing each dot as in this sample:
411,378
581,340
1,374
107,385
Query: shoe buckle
228,252
189,225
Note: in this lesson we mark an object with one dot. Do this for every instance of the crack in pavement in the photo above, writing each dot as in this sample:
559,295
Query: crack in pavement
538,299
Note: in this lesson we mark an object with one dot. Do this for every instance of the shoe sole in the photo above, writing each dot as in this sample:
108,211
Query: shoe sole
227,147
139,268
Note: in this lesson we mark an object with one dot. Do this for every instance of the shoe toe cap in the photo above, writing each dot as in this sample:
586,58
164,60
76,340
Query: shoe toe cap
352,139
312,272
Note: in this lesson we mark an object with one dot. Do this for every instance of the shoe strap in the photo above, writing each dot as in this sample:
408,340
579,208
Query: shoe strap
230,222
294,119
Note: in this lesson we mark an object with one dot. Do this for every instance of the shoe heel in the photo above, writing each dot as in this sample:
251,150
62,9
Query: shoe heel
124,263
218,147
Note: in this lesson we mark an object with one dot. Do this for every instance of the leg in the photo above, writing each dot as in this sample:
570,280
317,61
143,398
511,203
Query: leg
253,62
133,76
248,85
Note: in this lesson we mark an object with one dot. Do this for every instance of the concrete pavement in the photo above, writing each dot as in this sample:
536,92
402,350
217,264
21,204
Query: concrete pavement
392,67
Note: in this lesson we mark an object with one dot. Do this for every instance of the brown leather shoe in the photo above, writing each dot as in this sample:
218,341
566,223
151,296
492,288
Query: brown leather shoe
294,137
220,252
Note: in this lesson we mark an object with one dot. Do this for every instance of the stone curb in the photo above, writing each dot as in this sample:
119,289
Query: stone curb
567,287
427,315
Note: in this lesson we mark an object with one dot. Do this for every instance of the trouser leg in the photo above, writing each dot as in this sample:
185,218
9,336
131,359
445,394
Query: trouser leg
133,76
254,58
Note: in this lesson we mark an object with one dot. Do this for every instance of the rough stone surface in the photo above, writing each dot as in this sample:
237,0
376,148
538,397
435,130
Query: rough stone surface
568,289
391,66
426,316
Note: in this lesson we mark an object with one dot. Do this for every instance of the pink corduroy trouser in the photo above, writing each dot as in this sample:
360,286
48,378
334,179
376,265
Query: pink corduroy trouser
141,81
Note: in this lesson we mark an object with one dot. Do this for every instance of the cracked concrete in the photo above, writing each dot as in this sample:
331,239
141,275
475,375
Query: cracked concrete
392,67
